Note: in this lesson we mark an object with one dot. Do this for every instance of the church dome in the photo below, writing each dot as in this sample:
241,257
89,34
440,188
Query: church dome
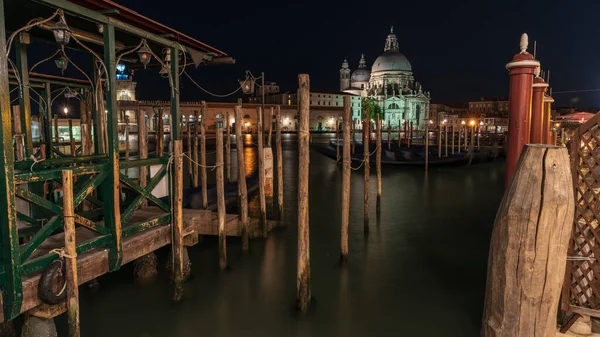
360,75
391,60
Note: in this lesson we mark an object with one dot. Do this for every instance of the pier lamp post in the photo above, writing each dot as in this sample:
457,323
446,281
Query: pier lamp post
479,133
462,126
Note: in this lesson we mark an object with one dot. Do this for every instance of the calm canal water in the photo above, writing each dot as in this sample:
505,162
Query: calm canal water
420,272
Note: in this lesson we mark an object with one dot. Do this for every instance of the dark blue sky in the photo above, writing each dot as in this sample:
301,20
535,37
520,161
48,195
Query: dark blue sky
458,49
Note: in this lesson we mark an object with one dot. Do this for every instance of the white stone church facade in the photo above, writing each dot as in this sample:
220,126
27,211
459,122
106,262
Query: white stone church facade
390,82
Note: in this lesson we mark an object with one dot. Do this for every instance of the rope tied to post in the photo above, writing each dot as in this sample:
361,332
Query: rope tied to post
62,254
211,167
35,161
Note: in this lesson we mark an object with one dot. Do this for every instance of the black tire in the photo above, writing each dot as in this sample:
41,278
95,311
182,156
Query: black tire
45,292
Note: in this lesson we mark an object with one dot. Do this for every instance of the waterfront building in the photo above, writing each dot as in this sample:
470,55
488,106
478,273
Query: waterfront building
391,82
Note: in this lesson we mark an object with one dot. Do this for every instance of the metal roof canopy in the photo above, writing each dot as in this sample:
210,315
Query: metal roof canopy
125,21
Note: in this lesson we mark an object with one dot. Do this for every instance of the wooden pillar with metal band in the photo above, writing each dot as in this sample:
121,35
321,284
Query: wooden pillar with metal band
521,71
537,109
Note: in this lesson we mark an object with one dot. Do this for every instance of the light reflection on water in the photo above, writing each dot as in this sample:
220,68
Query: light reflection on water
420,271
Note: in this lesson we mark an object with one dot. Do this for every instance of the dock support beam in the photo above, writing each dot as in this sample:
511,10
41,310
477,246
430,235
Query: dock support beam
203,156
110,191
241,178
12,294
70,255
346,161
221,199
303,290
279,152
177,221
261,174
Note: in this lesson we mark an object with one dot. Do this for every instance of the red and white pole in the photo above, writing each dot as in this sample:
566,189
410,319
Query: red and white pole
521,71
546,123
537,109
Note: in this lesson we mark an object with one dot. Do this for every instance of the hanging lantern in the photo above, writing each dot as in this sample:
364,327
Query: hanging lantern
145,55
61,62
62,33
248,86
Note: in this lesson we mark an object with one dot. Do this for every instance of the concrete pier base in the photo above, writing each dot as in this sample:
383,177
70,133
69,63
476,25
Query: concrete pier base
39,327
146,267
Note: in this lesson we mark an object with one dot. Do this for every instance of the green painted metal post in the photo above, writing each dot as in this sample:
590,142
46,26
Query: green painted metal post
175,115
12,290
24,101
110,190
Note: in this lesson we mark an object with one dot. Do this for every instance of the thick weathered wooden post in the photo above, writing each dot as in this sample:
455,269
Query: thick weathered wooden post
177,220
228,147
203,156
70,254
195,168
85,108
279,152
367,166
261,173
378,163
221,198
303,289
241,178
337,141
528,250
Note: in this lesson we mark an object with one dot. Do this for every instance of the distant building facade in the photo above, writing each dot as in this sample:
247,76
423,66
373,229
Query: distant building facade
489,107
390,81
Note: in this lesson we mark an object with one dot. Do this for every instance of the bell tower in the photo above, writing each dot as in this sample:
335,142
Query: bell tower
344,76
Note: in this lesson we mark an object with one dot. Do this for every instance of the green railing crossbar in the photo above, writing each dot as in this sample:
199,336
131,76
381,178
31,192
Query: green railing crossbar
27,249
88,188
38,200
139,189
24,178
126,216
27,218
143,162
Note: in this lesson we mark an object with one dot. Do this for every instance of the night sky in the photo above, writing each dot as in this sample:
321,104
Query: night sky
458,49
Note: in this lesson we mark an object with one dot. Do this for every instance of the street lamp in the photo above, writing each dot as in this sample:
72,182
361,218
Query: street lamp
145,55
66,110
62,33
472,122
61,62
463,122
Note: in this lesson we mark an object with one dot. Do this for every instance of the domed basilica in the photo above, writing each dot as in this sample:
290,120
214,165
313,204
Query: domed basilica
391,82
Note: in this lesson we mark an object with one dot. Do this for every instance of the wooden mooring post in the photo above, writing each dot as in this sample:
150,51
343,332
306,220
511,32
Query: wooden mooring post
18,133
241,178
303,289
345,180
337,141
227,147
188,131
426,147
160,134
221,198
126,131
177,220
445,139
87,144
439,140
142,148
71,139
389,134
203,156
367,166
528,249
353,135
453,138
195,168
279,152
70,254
378,164
261,173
